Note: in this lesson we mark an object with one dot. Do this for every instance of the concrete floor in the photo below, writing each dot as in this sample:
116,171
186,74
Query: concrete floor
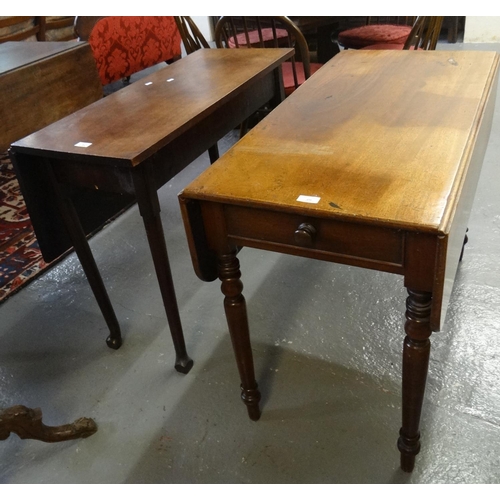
327,344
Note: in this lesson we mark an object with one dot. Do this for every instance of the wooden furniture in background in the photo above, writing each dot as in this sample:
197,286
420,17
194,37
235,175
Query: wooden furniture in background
43,82
58,28
84,26
191,36
319,32
37,28
193,40
359,166
452,25
376,31
424,35
16,28
132,142
269,31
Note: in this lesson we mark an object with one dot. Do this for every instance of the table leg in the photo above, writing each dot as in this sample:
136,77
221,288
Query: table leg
213,153
236,315
327,48
416,352
82,249
466,239
149,208
27,424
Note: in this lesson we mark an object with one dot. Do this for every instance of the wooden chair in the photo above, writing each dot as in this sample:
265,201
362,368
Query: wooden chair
16,28
58,28
423,36
123,45
193,40
191,36
377,30
36,28
268,32
84,25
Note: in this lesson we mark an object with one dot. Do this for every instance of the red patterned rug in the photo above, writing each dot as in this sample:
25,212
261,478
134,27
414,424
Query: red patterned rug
20,257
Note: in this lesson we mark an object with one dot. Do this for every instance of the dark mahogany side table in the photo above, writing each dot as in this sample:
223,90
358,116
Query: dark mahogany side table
132,142
373,162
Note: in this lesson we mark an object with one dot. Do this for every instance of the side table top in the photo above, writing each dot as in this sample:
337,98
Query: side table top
382,137
130,125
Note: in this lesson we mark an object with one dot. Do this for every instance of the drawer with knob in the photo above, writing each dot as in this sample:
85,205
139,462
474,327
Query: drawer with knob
321,238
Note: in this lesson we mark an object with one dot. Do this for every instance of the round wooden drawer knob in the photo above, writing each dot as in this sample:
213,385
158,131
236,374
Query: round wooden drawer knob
304,234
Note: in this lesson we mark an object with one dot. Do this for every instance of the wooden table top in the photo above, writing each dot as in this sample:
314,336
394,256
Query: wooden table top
382,137
14,55
135,122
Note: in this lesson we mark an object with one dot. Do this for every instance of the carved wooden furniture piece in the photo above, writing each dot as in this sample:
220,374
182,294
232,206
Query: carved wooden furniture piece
373,162
27,424
132,142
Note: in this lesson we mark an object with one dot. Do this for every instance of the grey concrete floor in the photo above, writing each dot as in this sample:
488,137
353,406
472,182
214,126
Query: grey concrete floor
327,342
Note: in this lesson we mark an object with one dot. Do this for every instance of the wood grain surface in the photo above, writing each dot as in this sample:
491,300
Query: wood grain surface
377,136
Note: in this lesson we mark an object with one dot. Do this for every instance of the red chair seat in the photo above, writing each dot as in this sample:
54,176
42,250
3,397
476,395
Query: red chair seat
288,80
253,36
371,34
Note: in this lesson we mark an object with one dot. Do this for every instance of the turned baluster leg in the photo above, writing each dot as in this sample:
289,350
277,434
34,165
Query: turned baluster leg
416,352
236,315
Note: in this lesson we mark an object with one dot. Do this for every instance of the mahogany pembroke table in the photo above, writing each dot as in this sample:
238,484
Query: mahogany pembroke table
373,162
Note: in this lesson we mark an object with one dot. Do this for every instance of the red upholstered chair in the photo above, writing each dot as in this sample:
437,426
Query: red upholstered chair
394,31
423,36
267,32
123,45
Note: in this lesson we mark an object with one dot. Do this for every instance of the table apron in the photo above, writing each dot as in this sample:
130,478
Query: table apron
333,240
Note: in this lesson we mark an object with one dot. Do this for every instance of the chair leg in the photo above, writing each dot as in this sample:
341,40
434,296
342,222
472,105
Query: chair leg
243,127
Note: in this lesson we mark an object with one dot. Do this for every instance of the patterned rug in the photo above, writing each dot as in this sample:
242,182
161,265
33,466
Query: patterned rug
20,257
